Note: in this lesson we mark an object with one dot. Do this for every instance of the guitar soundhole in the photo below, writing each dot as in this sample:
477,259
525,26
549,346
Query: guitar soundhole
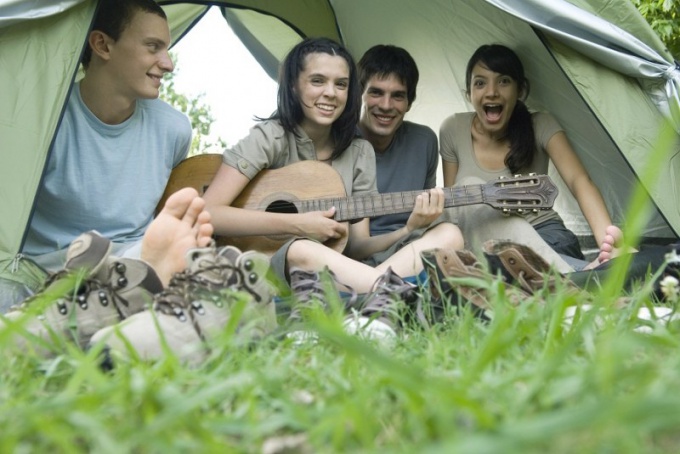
282,206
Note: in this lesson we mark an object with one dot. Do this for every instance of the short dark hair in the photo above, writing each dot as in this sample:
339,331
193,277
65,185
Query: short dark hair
288,105
113,16
383,60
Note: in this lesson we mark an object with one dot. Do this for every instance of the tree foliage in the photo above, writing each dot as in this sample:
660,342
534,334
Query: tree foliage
198,112
664,17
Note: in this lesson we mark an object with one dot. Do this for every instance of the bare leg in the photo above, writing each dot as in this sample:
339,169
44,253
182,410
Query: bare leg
181,225
312,256
406,261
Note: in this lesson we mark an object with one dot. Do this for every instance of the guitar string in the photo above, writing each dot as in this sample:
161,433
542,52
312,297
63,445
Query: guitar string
389,203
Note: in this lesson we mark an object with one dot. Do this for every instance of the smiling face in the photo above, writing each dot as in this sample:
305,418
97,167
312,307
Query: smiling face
385,102
139,58
493,96
322,88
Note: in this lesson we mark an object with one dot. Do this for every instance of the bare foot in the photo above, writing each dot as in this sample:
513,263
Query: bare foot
610,247
181,225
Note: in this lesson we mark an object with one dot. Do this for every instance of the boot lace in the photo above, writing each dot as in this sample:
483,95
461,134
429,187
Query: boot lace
388,296
187,289
107,292
308,286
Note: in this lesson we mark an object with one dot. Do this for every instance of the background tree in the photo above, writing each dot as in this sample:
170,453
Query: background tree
664,17
198,112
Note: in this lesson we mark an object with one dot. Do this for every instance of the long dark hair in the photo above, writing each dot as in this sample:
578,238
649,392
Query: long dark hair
288,106
503,60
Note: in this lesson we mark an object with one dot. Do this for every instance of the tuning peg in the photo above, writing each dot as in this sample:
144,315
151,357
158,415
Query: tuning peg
535,210
520,210
506,211
517,175
532,174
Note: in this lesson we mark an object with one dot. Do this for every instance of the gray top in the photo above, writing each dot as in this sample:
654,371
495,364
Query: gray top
408,164
456,146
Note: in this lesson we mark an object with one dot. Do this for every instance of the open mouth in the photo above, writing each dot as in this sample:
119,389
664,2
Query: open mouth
493,112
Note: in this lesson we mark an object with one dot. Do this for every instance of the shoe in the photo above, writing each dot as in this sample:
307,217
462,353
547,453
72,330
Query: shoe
196,308
311,289
109,289
452,275
380,315
519,264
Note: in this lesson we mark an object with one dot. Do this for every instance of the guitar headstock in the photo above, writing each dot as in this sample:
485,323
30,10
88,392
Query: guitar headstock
521,193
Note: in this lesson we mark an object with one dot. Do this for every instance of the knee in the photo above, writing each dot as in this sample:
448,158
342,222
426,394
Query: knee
299,252
449,236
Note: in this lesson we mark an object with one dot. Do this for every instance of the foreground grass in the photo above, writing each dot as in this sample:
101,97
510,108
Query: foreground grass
526,382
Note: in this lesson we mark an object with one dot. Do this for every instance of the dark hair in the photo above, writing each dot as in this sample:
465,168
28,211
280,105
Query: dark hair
113,16
288,106
383,60
503,60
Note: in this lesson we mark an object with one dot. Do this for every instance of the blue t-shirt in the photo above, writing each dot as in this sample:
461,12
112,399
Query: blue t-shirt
106,177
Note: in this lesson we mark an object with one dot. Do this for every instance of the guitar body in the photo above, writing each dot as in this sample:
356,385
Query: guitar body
195,172
281,191
278,190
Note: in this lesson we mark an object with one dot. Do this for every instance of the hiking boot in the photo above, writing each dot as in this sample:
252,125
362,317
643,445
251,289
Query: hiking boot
198,306
381,312
454,280
109,289
521,265
312,289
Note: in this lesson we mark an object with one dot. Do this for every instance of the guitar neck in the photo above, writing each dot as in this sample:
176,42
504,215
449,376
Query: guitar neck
371,205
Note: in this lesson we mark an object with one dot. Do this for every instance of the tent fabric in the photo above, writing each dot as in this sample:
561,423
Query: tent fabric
38,61
606,83
607,44
13,11
250,25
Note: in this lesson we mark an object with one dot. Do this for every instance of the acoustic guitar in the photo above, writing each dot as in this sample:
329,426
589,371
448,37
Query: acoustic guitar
313,186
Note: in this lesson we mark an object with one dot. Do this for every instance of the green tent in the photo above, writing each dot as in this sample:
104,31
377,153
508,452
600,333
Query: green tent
595,64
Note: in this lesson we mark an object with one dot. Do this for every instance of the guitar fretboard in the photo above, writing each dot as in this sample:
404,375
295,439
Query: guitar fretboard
371,205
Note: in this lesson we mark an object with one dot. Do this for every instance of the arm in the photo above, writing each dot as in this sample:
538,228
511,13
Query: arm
447,150
428,207
580,185
232,221
450,171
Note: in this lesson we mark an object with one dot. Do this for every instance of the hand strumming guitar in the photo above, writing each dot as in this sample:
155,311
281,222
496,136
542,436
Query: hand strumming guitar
320,225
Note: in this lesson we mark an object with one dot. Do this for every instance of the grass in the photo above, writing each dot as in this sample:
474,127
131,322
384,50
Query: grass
527,382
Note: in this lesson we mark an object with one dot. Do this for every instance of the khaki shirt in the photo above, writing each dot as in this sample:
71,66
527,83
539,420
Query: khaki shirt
269,146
